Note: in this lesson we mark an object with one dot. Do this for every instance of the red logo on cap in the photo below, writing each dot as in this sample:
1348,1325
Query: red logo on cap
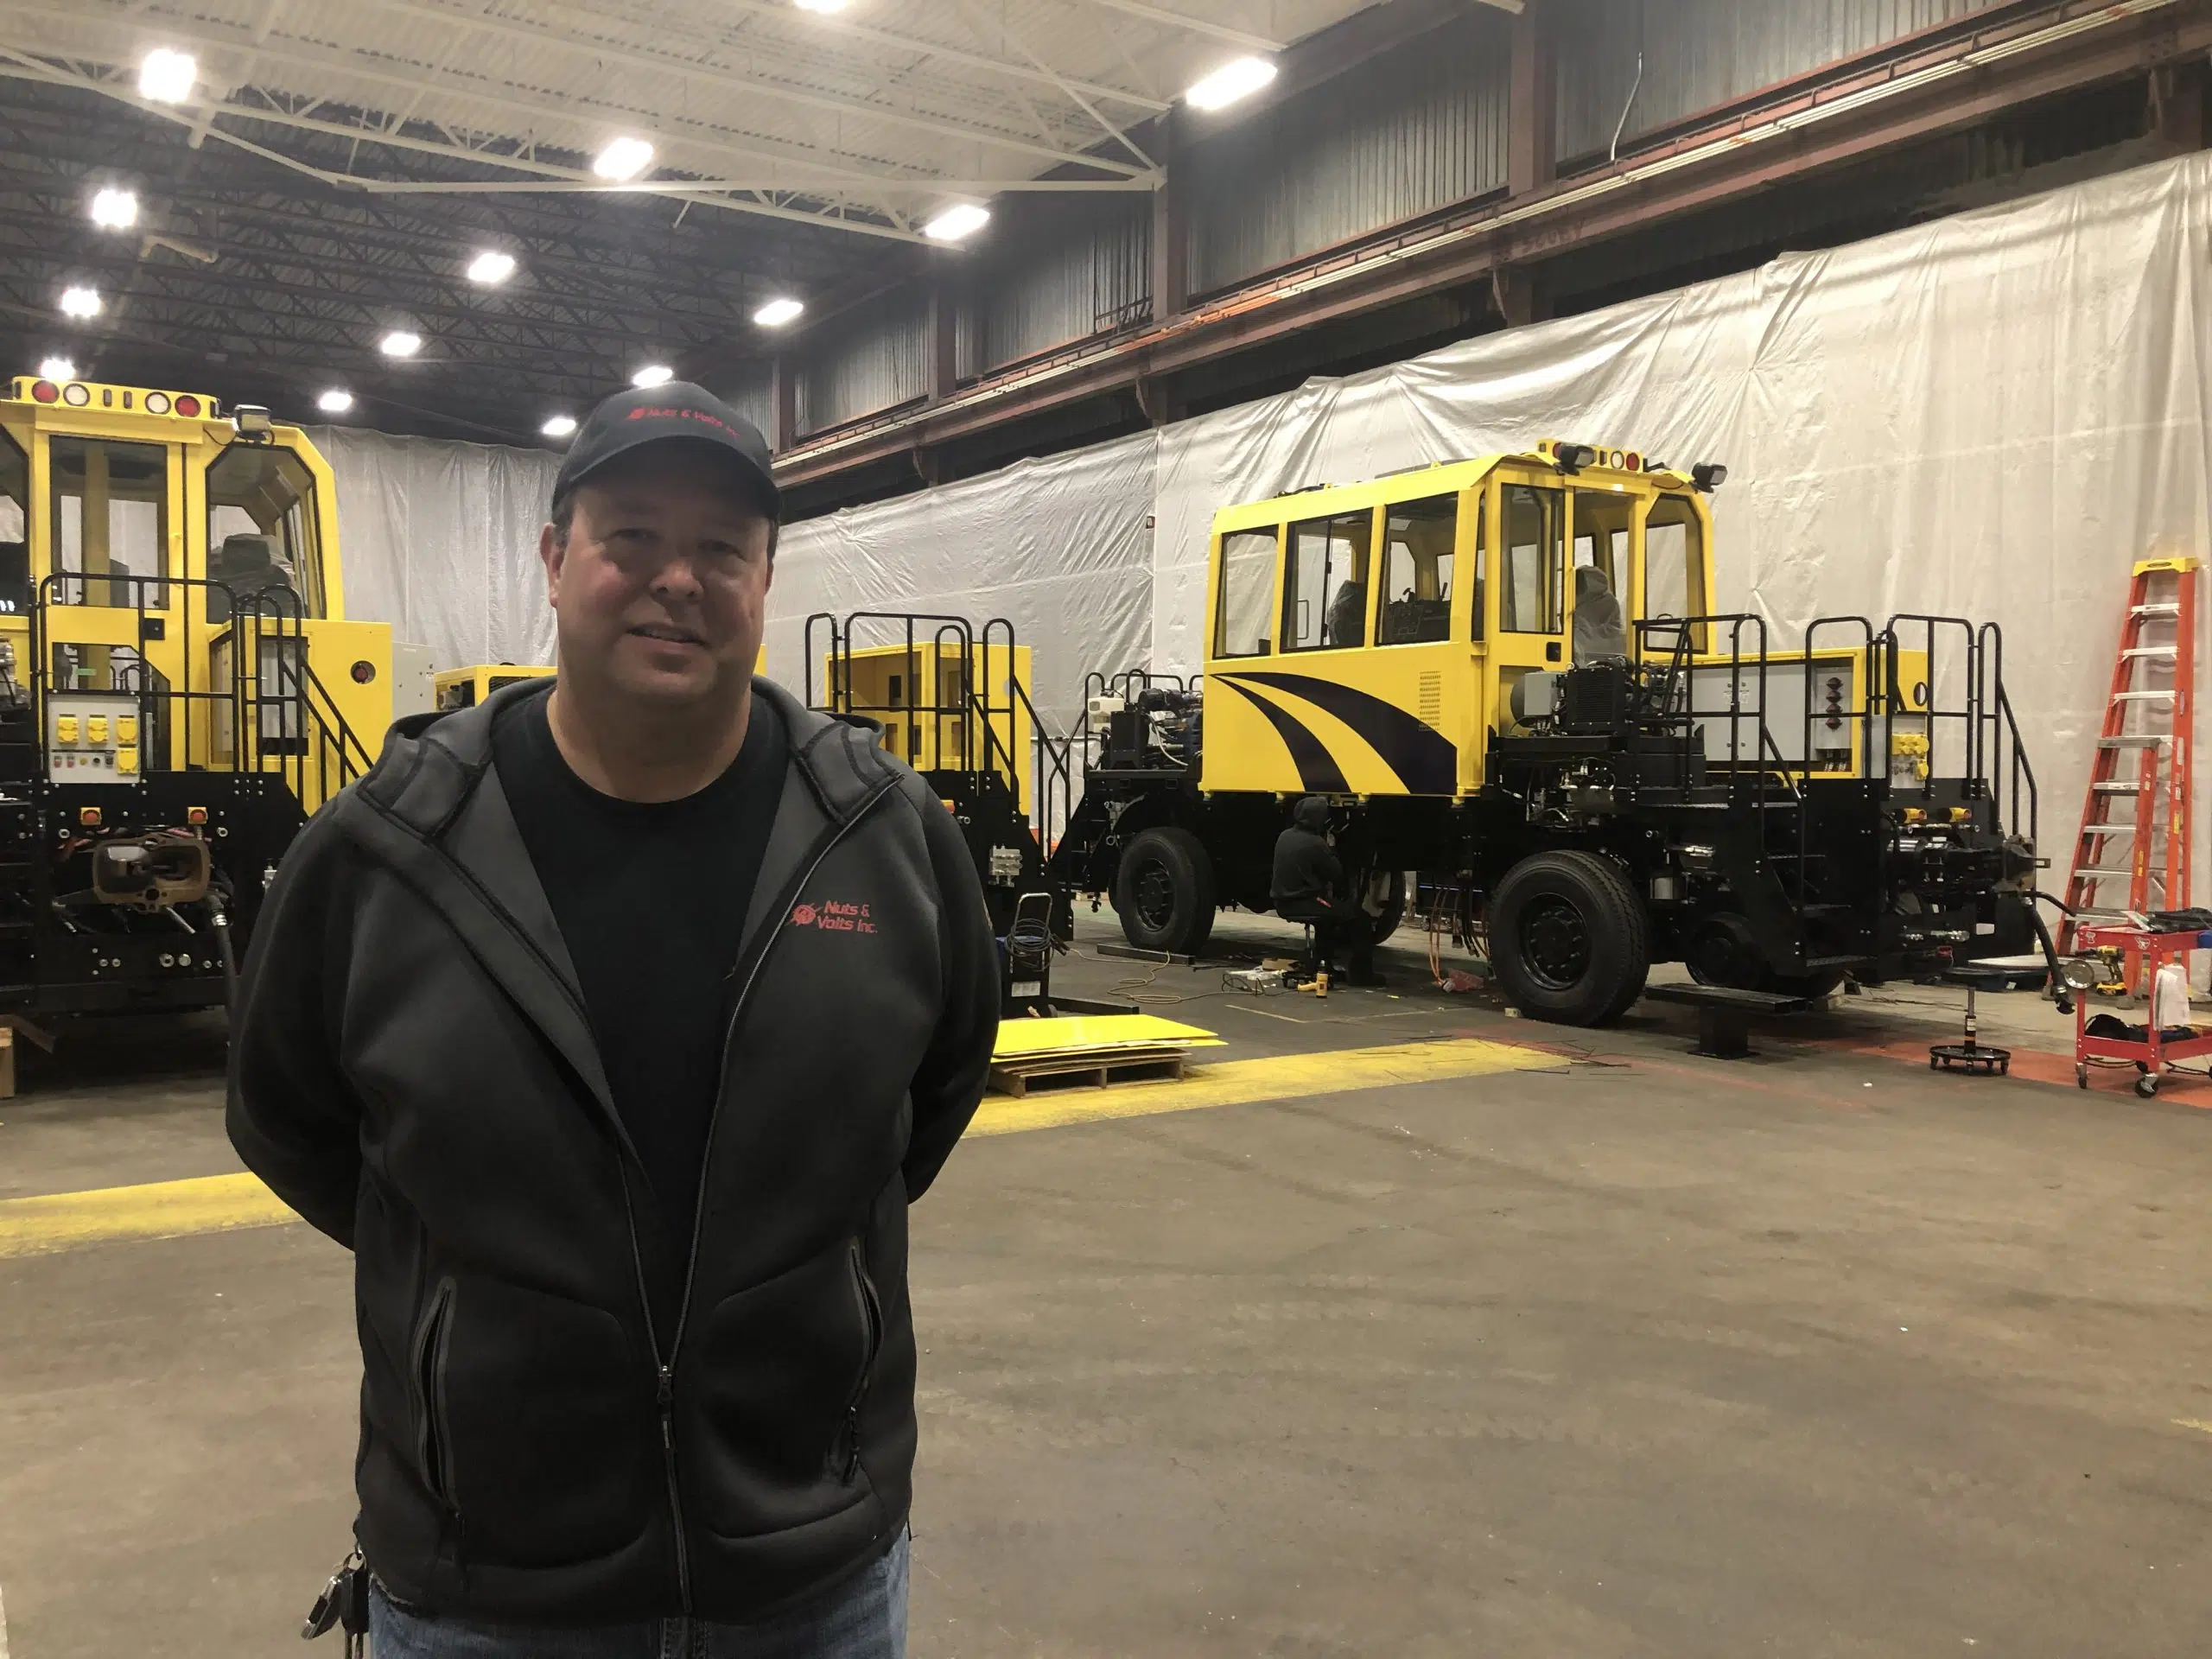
682,414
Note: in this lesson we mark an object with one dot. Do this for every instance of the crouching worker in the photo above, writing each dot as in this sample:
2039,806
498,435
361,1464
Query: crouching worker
549,1020
1307,876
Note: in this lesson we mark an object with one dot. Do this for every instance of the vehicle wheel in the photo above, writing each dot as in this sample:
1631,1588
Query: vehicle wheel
1164,891
1568,939
2147,1086
1721,952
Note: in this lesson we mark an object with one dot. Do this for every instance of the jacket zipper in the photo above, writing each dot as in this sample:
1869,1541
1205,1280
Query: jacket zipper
664,1392
433,1435
872,1316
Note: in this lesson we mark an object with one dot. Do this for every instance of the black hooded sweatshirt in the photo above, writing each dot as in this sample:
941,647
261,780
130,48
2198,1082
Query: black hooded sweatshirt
559,1424
1306,868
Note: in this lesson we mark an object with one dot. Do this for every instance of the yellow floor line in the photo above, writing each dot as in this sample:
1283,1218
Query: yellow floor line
211,1203
1238,1082
214,1203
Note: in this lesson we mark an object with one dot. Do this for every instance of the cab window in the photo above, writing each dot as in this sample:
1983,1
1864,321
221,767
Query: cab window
1533,521
1248,590
1601,526
110,521
15,526
1324,590
262,546
1418,542
1674,560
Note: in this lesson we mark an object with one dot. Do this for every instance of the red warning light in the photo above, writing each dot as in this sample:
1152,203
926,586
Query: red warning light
188,404
1635,461
195,815
46,393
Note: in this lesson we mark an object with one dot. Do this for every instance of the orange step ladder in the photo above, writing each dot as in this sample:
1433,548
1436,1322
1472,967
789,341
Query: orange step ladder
2140,860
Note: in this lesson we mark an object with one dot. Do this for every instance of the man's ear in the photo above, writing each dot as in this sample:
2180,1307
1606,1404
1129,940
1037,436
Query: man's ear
552,555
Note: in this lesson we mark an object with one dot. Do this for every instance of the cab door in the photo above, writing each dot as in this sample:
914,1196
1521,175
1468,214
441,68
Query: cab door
1527,596
107,546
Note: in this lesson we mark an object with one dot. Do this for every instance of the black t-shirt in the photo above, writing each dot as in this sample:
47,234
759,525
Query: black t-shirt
651,898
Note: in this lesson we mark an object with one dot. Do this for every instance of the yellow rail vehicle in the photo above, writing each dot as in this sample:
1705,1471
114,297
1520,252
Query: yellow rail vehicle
179,686
1506,673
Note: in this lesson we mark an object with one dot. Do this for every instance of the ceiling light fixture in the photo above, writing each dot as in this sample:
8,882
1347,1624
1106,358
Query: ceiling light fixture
490,268
957,223
558,426
1229,83
166,77
57,368
776,313
114,209
653,374
80,302
336,401
400,343
623,158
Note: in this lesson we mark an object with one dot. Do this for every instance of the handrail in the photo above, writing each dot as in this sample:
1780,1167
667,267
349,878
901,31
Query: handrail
309,727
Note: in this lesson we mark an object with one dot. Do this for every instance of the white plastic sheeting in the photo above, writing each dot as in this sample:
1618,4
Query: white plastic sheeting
1062,549
441,541
1991,414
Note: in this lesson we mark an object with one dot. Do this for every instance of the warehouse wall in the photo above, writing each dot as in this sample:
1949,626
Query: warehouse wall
1077,266
1405,133
1699,54
876,357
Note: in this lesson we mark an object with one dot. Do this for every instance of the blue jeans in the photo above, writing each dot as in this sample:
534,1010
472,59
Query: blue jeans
866,1618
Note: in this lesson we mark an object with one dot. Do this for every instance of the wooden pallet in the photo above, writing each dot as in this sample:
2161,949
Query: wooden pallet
1019,1077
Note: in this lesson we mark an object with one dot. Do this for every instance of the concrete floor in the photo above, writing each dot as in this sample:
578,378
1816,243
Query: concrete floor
1643,1355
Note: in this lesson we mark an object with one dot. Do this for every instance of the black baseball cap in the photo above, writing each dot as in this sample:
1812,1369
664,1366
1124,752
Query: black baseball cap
675,411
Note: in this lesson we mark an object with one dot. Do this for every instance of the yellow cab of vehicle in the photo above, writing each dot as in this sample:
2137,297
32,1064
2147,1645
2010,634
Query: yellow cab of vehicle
179,686
1371,634
152,546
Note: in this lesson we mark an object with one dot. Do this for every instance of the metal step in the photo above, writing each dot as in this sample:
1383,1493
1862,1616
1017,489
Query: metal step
2103,872
2085,913
2119,789
2116,831
2137,740
2169,653
2142,696
2169,608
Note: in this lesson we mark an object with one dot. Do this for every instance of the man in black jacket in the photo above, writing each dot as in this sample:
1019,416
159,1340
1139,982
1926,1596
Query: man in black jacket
615,1030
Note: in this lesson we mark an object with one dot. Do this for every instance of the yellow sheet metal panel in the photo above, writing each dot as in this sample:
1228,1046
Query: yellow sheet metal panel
1093,1033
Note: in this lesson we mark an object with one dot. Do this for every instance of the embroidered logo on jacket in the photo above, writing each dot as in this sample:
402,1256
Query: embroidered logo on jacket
833,916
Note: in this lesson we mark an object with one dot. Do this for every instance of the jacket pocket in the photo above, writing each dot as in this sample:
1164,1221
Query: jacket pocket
426,1376
847,1455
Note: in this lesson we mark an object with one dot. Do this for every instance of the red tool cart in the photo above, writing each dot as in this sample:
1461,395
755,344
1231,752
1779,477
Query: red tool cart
2152,1056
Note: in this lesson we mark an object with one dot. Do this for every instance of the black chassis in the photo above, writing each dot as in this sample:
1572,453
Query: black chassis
70,958
1845,875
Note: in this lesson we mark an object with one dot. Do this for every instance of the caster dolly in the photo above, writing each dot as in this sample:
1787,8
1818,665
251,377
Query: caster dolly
1973,1058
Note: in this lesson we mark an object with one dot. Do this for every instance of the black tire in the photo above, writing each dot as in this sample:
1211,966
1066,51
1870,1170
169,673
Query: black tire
1722,952
2147,1087
1568,939
1164,891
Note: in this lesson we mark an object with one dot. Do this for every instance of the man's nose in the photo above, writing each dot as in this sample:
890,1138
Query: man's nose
677,578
